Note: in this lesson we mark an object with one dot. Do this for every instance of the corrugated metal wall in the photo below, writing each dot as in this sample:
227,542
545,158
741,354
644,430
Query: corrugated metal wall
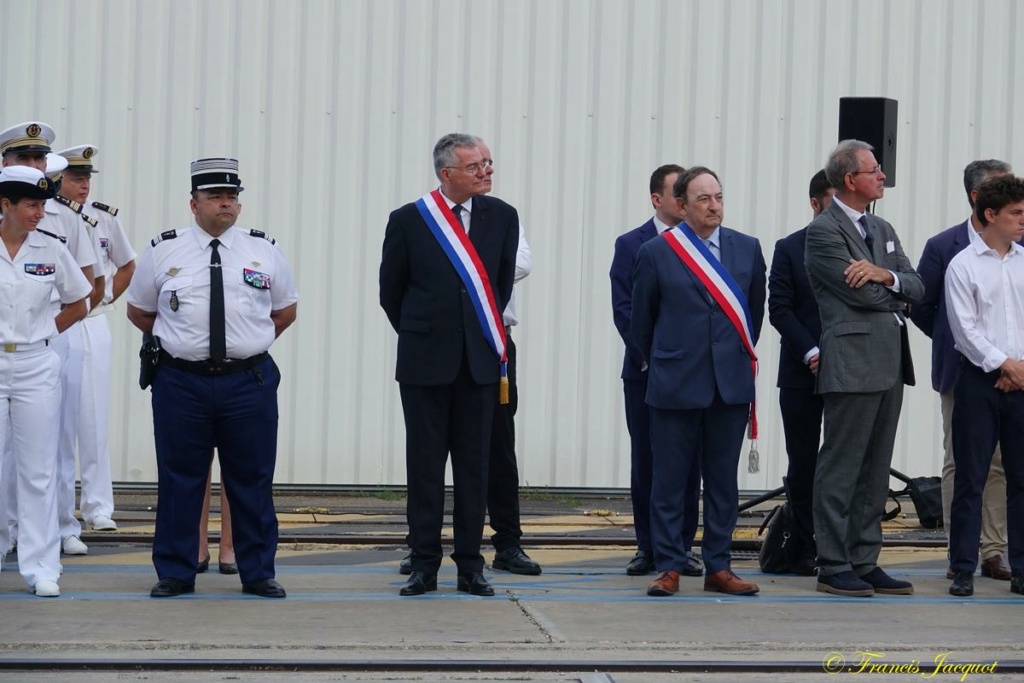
333,108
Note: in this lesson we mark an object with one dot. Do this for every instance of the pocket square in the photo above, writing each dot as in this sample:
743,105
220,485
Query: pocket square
890,247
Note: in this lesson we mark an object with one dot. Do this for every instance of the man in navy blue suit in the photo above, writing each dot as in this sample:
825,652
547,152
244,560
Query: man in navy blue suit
793,311
634,381
930,316
698,304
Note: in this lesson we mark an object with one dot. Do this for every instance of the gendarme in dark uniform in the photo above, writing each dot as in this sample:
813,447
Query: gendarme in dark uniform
216,296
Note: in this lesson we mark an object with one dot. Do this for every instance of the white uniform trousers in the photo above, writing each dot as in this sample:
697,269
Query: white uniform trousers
8,513
68,346
30,402
93,451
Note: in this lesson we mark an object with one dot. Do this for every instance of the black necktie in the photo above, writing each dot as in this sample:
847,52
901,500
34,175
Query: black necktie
458,214
868,240
218,343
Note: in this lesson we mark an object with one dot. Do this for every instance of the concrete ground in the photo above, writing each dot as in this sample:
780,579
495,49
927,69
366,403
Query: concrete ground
583,619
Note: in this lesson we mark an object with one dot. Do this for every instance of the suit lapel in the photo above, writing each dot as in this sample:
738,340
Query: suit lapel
725,246
851,231
478,222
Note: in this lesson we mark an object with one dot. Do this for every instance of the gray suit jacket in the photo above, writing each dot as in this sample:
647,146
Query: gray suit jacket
863,347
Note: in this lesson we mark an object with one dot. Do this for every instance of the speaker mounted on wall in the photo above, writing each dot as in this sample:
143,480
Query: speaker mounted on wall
872,120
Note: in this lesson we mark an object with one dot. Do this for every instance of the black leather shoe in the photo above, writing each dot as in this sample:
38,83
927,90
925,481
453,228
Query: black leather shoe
885,584
474,583
264,588
418,584
227,567
170,588
1017,584
963,585
845,583
516,561
641,564
203,566
692,566
405,565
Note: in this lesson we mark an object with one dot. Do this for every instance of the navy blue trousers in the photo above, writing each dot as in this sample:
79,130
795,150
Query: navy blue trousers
982,417
801,421
714,436
638,424
237,415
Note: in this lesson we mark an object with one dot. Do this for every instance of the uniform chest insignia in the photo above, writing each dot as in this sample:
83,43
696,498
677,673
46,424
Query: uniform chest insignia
255,264
173,271
255,278
104,243
40,268
174,300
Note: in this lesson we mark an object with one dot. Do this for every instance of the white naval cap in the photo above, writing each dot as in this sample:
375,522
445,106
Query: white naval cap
214,172
31,136
80,158
55,165
17,182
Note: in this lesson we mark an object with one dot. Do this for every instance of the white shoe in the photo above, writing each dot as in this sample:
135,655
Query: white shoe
101,523
73,546
46,589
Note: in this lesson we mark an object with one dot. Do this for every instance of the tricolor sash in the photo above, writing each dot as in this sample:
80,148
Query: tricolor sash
722,287
452,237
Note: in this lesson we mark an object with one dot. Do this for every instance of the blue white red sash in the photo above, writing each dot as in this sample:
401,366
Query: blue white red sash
722,287
452,237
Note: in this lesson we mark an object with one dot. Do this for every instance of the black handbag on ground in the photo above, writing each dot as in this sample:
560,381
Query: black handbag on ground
926,495
781,548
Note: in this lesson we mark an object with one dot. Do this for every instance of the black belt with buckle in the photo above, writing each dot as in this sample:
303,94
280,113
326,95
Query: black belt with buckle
210,367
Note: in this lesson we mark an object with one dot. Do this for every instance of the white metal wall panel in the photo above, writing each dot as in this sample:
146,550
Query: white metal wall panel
333,108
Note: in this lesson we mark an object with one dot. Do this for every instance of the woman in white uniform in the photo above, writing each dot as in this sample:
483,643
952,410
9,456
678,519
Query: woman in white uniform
32,265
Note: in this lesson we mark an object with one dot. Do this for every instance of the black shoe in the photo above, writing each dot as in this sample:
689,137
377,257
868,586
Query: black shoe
845,583
170,588
1017,584
885,584
265,588
474,583
227,567
405,566
418,584
516,561
641,564
692,566
203,566
963,585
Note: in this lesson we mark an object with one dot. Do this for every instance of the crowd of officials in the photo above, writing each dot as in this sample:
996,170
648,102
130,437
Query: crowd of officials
688,297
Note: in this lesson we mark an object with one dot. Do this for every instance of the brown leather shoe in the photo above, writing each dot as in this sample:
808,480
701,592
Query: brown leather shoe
995,567
726,582
667,583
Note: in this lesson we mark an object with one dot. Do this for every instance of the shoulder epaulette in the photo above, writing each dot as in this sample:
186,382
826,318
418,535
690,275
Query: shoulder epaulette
168,235
104,207
70,203
263,235
63,240
89,219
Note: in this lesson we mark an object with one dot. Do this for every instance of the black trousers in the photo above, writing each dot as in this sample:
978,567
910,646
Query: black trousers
984,416
454,418
801,421
503,472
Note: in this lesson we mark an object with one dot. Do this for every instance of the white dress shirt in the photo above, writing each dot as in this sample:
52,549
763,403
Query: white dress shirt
985,304
172,279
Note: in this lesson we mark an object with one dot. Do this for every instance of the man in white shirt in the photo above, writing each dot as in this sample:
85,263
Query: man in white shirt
984,285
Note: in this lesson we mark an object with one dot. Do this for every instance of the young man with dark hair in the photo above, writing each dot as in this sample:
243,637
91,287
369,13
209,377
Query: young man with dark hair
983,285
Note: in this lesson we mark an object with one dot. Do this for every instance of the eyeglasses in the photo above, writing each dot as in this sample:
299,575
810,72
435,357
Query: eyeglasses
874,171
472,169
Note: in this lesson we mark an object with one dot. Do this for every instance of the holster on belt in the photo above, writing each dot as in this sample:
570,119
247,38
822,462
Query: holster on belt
149,357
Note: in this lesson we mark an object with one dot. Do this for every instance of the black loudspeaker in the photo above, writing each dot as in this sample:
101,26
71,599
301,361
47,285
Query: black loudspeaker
872,120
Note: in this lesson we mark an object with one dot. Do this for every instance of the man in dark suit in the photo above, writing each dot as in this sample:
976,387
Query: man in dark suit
451,341
930,316
698,304
634,382
862,282
793,311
